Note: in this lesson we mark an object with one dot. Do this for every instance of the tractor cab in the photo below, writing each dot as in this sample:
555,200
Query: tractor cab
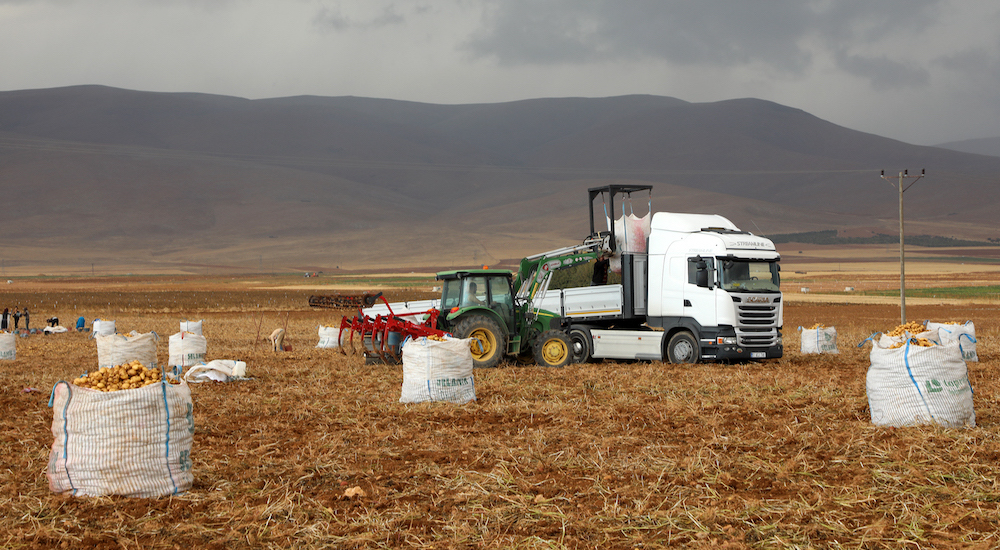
466,290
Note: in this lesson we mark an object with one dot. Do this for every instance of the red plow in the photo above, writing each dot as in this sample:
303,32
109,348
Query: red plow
383,335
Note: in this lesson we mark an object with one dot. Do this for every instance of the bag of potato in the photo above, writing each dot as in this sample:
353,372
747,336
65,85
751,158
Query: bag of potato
329,337
192,326
103,327
819,339
965,334
117,349
186,349
130,442
8,346
437,370
918,378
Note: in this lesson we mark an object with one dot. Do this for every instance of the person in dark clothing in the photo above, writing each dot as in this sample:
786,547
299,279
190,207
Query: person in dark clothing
52,321
600,277
17,317
5,319
25,315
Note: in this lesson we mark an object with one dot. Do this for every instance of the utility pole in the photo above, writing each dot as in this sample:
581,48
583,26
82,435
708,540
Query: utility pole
904,175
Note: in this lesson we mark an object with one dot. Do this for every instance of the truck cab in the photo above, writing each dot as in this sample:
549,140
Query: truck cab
720,284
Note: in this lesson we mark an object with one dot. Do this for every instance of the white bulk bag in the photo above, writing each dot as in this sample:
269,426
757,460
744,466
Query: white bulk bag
328,337
192,326
912,385
819,340
8,346
186,349
103,327
436,370
219,370
118,349
964,334
135,443
631,236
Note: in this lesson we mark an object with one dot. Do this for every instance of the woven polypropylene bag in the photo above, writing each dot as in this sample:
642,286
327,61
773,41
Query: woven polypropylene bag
819,340
912,385
133,443
8,346
192,326
118,349
186,349
964,334
436,370
329,337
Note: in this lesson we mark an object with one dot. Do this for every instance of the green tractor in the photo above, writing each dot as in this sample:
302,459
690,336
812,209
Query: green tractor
497,308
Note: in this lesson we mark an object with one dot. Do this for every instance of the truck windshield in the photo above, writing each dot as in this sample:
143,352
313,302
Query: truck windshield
748,275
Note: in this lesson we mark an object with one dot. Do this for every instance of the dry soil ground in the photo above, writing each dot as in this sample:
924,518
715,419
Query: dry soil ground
604,455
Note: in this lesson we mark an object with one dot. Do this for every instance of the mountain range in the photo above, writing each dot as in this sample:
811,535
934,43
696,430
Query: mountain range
99,176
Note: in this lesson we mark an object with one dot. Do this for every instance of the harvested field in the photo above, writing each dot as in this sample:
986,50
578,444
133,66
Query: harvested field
778,454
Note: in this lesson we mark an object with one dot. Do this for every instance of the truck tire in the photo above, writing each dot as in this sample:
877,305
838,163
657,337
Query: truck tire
683,348
580,338
487,353
553,349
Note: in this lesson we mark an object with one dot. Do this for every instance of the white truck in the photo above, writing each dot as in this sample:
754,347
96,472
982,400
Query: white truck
703,290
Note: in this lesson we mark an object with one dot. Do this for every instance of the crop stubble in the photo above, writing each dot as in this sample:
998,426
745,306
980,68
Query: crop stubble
610,455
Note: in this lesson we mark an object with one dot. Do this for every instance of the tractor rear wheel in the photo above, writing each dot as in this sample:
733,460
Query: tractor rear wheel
488,344
553,349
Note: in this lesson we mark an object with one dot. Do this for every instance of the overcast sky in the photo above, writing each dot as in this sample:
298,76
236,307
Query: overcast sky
921,71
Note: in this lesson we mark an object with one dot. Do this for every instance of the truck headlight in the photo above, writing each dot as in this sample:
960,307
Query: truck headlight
779,341
726,340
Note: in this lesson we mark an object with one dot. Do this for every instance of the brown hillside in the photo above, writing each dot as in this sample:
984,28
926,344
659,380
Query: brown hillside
95,175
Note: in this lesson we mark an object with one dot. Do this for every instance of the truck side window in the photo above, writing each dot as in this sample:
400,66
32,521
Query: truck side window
693,269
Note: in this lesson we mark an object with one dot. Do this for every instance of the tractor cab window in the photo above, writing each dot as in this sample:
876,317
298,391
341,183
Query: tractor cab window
451,294
500,299
474,292
500,290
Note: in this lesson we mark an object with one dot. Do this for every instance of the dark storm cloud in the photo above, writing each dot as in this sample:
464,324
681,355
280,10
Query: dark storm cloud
882,72
718,33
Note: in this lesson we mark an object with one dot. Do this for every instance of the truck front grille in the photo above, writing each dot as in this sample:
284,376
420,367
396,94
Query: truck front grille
757,323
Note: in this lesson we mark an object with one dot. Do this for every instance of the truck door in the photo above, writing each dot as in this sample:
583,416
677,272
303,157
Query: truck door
699,292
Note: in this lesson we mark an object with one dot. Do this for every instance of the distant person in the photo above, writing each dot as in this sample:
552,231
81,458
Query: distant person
26,319
5,319
52,321
17,317
278,339
80,323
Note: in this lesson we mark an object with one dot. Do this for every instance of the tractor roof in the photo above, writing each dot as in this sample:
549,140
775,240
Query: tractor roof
463,273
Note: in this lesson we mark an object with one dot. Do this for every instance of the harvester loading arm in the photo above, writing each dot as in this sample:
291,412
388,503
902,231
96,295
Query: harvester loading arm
535,272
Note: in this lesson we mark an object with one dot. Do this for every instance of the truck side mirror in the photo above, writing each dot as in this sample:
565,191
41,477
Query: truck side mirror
701,278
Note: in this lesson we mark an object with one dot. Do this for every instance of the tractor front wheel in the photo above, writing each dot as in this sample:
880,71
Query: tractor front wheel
553,349
488,342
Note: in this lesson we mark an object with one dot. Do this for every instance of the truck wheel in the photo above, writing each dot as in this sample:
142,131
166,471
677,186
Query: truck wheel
580,339
488,343
553,349
683,348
